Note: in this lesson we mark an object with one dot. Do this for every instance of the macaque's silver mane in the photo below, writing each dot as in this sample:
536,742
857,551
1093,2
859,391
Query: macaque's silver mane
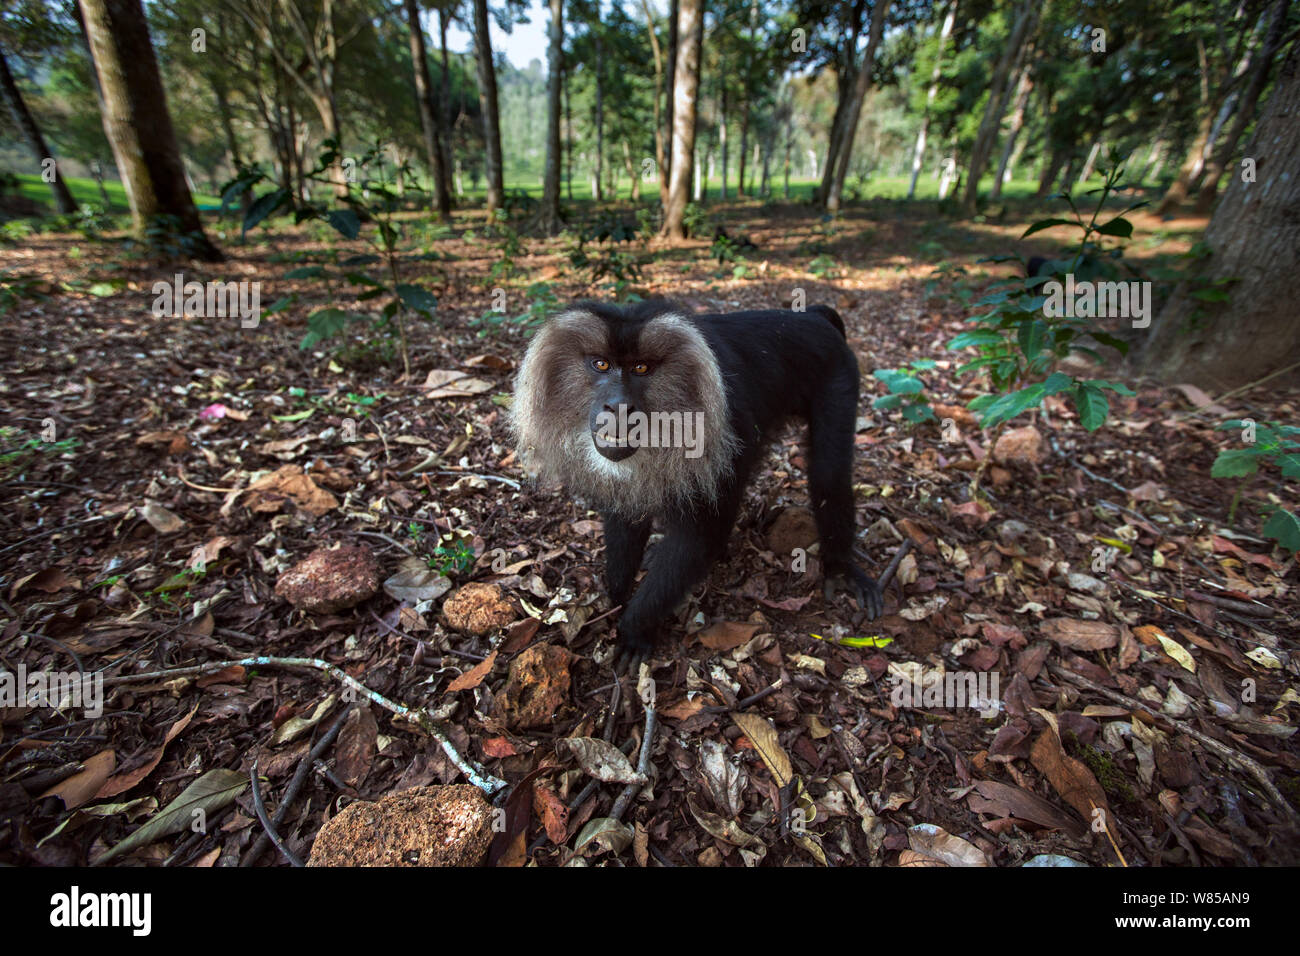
552,402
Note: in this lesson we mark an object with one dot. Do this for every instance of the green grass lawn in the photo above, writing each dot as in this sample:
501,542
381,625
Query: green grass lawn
86,190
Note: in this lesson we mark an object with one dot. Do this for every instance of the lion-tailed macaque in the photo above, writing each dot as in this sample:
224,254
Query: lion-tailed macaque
649,411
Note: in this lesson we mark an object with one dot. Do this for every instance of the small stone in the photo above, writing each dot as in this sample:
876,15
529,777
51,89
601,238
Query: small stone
424,826
479,609
1019,448
793,528
331,580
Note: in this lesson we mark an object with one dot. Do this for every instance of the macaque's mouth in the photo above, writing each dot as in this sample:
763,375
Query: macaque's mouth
615,449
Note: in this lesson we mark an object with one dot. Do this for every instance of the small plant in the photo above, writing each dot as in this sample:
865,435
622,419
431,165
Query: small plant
905,391
824,267
1019,342
542,301
1266,443
374,202
456,558
17,453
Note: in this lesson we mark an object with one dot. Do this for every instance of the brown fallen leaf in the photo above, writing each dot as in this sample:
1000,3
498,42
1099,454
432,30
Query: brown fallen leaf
473,677
1080,635
83,785
125,781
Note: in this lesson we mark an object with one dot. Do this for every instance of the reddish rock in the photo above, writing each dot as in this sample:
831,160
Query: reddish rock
479,609
1019,448
331,580
537,687
424,826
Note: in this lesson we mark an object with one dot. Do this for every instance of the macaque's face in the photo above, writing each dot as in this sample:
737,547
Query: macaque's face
618,389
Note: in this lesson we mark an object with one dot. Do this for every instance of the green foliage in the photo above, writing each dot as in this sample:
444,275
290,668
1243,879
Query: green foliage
1267,443
824,267
373,204
905,391
594,249
1019,344
457,558
16,452
542,301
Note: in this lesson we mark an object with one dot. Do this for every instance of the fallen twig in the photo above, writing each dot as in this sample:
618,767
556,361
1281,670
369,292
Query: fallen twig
267,827
476,775
1221,750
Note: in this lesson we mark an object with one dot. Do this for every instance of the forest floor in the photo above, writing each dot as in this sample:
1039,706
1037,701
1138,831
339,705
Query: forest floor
1146,710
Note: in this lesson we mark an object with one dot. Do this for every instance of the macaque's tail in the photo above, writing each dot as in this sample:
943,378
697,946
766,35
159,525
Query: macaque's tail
831,316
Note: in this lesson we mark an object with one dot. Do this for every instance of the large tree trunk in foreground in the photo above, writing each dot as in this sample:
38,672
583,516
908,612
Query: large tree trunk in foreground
487,99
1254,237
686,82
428,113
137,123
1245,109
26,124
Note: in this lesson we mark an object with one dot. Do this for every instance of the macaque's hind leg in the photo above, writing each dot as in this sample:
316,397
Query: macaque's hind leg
830,481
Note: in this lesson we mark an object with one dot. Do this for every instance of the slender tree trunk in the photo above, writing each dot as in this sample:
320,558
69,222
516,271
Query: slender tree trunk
1021,30
838,170
444,100
550,211
600,118
1009,149
657,53
1254,238
568,138
31,132
1245,109
918,154
670,76
1051,170
137,122
1089,163
487,99
686,81
428,112
722,123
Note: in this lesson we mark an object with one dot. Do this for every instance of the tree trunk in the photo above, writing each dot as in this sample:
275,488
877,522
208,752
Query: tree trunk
600,117
918,154
137,122
670,78
1253,237
568,138
1009,152
1244,111
428,113
550,211
657,53
487,101
722,123
686,81
837,170
26,124
444,99
1089,163
1025,24
1051,170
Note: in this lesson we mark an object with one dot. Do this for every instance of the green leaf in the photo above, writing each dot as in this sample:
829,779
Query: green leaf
263,206
1119,226
414,297
323,325
918,412
1092,405
1057,382
206,795
976,337
887,402
1030,336
365,259
360,278
305,272
1284,528
1105,338
899,382
1290,465
1235,463
1046,224
1007,407
346,222
294,416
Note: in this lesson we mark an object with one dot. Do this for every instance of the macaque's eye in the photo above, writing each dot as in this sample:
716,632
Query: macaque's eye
641,368
600,364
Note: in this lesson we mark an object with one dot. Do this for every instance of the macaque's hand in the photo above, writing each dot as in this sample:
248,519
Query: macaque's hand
866,592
